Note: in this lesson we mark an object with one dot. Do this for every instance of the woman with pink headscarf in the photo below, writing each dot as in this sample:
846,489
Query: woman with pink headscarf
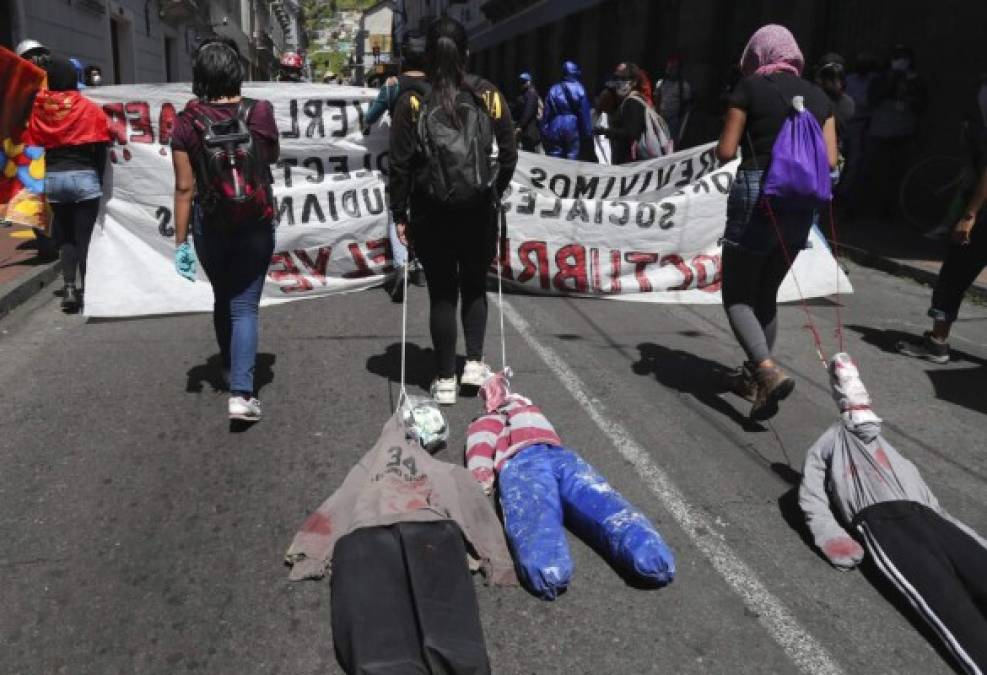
754,258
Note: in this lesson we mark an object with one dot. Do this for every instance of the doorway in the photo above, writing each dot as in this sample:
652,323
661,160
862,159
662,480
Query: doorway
170,59
122,46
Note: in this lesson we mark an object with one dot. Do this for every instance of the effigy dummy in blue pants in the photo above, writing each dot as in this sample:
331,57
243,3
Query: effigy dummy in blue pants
543,487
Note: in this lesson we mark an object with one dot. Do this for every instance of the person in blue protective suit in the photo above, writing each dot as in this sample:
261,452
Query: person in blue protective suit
80,78
568,122
544,485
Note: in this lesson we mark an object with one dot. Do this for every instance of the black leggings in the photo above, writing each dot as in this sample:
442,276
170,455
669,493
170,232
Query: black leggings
750,297
456,248
73,226
961,268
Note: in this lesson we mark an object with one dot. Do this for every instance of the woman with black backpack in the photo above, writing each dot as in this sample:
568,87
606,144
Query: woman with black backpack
761,237
231,212
445,187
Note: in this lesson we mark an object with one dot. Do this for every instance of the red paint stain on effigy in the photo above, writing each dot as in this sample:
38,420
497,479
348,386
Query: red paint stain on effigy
317,523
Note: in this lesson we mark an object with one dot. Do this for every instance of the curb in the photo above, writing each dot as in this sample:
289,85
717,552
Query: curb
884,264
17,292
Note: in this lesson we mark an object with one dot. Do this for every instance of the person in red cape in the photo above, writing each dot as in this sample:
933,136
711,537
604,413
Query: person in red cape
75,134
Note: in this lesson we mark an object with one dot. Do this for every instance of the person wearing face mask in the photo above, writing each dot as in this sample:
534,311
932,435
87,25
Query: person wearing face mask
898,98
93,76
627,123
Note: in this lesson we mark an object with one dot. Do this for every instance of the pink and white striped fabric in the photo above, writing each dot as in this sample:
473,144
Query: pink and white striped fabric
511,424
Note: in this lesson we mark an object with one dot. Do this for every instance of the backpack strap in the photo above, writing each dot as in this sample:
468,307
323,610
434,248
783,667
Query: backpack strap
246,108
637,96
747,133
201,122
785,101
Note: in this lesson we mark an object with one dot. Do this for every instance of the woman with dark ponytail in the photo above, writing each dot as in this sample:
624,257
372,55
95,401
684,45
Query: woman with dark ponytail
455,238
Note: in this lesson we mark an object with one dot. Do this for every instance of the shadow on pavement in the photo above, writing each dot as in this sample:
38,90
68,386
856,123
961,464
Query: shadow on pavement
887,340
703,379
420,365
962,387
211,373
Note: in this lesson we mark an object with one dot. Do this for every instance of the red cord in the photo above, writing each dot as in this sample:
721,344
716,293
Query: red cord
791,266
839,301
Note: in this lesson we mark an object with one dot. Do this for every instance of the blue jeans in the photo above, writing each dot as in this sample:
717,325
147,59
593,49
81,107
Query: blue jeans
74,197
236,263
399,252
544,486
749,224
69,187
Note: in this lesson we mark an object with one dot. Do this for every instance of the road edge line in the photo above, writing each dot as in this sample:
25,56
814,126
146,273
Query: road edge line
800,646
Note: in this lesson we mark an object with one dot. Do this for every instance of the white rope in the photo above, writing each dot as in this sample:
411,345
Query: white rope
404,331
500,286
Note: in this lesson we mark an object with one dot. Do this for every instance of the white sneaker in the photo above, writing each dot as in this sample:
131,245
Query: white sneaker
247,410
444,390
475,373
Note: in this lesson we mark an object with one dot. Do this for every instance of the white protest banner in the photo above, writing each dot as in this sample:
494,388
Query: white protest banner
643,232
646,232
330,199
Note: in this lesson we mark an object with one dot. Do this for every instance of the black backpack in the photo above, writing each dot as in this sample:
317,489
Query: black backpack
233,179
458,166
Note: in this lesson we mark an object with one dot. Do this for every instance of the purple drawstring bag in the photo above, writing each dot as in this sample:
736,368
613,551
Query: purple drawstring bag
798,173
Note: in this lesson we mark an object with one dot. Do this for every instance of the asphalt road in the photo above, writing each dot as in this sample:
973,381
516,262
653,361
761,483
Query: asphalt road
139,535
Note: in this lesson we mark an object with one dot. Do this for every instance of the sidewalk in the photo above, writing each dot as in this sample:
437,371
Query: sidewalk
897,249
22,272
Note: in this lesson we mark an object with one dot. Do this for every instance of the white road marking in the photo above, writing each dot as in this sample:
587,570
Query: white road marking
807,653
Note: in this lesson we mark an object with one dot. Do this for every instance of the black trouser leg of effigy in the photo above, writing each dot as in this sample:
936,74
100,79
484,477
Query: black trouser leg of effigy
939,568
403,602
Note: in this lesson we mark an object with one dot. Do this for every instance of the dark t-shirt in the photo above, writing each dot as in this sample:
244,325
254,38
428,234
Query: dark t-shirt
85,157
261,123
626,128
767,100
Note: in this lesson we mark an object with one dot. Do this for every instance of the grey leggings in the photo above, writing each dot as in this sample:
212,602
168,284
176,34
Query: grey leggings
750,297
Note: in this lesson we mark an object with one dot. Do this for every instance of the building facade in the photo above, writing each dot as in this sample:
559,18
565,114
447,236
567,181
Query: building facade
151,41
375,56
709,35
418,14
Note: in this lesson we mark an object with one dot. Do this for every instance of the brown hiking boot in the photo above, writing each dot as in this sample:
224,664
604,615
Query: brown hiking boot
773,385
741,381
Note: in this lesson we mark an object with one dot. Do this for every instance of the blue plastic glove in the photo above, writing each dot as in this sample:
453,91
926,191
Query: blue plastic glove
185,261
